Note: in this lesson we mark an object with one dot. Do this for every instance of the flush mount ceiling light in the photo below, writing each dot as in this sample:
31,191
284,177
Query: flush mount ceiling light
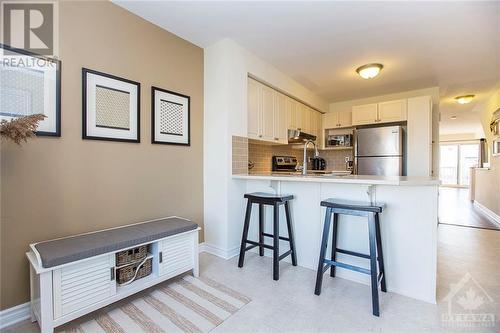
369,71
453,117
465,99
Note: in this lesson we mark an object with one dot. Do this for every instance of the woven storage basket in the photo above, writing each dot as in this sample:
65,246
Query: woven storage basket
131,255
127,273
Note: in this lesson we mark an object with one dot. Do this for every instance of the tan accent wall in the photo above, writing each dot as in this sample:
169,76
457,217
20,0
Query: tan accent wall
55,187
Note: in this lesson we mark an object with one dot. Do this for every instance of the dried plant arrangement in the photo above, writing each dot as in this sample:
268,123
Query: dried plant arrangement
20,129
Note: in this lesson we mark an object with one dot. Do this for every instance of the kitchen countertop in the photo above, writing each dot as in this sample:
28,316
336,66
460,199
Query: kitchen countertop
344,179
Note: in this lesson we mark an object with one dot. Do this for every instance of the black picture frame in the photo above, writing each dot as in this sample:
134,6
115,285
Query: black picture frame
85,136
58,63
153,124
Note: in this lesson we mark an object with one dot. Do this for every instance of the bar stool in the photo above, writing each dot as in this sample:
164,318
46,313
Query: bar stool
370,211
274,200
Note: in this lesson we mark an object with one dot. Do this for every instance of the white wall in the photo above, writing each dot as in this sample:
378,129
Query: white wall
227,66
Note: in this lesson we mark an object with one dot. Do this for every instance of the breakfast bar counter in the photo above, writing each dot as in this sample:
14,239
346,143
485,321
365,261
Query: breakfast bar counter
408,223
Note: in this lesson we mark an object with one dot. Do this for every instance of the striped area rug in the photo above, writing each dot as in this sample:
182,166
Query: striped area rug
187,304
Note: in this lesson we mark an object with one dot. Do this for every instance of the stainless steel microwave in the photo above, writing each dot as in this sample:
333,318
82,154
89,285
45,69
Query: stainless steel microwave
339,140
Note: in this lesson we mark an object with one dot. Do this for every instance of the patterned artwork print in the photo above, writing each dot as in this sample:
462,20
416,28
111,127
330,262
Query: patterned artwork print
112,108
171,118
21,92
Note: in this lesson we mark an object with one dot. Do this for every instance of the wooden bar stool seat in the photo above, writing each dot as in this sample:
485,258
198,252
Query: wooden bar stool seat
338,207
275,200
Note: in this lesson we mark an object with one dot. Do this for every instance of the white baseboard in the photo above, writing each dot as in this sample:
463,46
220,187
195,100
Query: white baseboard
491,214
14,315
219,252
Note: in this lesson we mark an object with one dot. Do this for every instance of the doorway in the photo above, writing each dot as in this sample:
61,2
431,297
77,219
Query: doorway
455,161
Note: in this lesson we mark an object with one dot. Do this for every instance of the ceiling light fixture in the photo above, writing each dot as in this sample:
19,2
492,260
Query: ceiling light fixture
465,99
369,71
453,117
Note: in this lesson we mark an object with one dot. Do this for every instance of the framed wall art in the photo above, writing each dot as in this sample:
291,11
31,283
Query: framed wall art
169,117
111,107
30,84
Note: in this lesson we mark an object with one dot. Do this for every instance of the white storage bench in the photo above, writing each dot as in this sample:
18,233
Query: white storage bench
72,276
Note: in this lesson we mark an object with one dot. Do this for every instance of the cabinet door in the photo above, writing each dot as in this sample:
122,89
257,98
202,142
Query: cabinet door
280,124
304,118
291,113
176,254
392,111
345,118
330,120
82,284
364,114
253,109
267,107
419,136
313,121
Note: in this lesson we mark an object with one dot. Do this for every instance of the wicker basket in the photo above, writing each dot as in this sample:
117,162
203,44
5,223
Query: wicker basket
131,255
126,274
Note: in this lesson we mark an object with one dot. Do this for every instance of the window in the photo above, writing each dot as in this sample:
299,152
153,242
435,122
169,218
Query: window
455,162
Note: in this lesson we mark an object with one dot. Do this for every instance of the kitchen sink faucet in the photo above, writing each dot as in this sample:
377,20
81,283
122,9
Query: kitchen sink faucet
316,154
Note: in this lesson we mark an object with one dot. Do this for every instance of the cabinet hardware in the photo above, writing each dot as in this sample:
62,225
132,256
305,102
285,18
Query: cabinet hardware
112,273
276,139
260,135
161,257
299,129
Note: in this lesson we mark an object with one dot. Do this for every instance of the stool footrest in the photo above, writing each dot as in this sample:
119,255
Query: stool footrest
346,266
250,247
284,254
352,253
255,244
272,236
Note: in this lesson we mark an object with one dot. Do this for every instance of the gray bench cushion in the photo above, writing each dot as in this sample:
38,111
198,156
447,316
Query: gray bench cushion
65,250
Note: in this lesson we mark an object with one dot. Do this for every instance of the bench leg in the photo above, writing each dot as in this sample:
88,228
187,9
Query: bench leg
373,263
322,252
290,233
276,242
334,242
244,237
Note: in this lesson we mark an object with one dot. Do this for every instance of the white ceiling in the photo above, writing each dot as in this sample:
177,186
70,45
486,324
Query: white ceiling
453,45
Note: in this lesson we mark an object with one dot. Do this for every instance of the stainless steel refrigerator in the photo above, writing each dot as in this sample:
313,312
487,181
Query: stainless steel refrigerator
379,151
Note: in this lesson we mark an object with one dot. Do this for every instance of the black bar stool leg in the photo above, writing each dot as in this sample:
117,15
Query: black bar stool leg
290,233
334,242
380,253
261,229
276,242
244,238
373,263
322,252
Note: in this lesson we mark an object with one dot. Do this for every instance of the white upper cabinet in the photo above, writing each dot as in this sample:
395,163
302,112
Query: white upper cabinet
337,119
365,114
267,104
392,111
271,113
376,113
254,111
419,136
280,119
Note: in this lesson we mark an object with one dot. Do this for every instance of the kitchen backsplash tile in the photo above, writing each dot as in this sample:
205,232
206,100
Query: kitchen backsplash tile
240,155
261,156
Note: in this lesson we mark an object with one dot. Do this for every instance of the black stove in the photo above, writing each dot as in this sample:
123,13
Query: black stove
284,163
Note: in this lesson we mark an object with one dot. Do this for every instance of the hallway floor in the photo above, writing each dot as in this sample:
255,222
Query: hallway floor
456,208
466,255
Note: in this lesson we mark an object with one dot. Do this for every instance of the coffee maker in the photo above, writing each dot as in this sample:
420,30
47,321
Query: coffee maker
318,163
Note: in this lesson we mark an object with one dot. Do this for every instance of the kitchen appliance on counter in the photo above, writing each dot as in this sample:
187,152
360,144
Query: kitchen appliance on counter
338,140
318,163
284,163
379,151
